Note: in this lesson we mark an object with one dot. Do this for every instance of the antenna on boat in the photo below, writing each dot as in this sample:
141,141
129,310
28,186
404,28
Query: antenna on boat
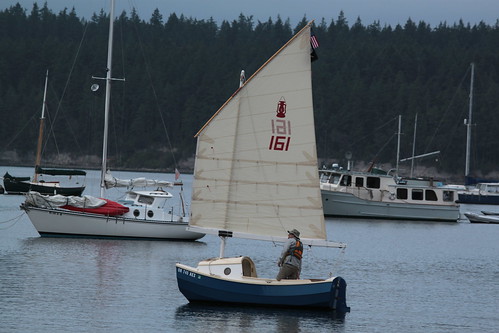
348,156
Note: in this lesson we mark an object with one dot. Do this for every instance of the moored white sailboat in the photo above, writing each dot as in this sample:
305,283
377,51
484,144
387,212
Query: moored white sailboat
143,214
256,177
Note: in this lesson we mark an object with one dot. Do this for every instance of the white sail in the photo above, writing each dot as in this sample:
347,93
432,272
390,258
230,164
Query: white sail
256,164
111,182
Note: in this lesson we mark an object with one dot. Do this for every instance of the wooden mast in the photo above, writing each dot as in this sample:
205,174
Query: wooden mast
40,131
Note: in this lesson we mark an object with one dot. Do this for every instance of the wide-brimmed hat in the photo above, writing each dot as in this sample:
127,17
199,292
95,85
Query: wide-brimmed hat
295,233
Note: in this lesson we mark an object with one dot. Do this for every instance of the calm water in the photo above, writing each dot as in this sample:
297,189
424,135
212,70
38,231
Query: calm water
402,276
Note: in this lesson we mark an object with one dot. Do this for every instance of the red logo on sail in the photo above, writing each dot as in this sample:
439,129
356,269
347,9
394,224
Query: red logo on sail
281,109
281,129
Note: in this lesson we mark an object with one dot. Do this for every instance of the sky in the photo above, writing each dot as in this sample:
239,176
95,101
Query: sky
387,12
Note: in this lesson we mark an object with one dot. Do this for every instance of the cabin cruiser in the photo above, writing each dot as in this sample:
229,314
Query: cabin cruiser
377,194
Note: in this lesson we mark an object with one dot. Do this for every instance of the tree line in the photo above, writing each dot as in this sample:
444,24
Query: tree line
178,71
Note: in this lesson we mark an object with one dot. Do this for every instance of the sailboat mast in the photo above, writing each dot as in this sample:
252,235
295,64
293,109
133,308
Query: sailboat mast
398,146
40,131
223,241
414,143
108,98
468,123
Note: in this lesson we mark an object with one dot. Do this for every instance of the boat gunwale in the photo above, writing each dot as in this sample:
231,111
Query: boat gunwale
257,280
119,218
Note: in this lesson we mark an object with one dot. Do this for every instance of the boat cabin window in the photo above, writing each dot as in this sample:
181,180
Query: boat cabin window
373,182
146,200
402,193
324,177
359,182
346,180
430,195
448,195
417,194
334,178
493,189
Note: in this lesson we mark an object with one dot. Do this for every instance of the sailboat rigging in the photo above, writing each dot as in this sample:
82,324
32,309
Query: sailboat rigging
141,215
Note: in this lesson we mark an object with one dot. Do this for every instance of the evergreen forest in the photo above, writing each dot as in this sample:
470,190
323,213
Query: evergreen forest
178,71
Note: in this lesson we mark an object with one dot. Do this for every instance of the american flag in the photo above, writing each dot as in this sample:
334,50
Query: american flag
313,40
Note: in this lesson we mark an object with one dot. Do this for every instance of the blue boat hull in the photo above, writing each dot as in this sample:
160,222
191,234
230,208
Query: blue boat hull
478,199
328,294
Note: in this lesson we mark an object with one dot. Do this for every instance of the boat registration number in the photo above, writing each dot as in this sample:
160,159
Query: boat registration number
188,273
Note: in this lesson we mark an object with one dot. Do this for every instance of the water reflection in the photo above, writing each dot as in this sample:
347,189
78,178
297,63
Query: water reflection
232,318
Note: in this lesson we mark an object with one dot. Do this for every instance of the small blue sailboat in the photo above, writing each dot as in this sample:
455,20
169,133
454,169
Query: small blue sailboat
256,177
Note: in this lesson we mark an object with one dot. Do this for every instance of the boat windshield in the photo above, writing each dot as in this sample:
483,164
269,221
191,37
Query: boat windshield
329,177
334,178
146,200
448,196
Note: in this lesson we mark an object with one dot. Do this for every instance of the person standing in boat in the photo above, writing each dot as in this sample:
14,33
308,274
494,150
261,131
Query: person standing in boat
290,260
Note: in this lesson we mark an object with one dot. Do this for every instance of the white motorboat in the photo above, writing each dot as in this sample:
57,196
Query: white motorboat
376,195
